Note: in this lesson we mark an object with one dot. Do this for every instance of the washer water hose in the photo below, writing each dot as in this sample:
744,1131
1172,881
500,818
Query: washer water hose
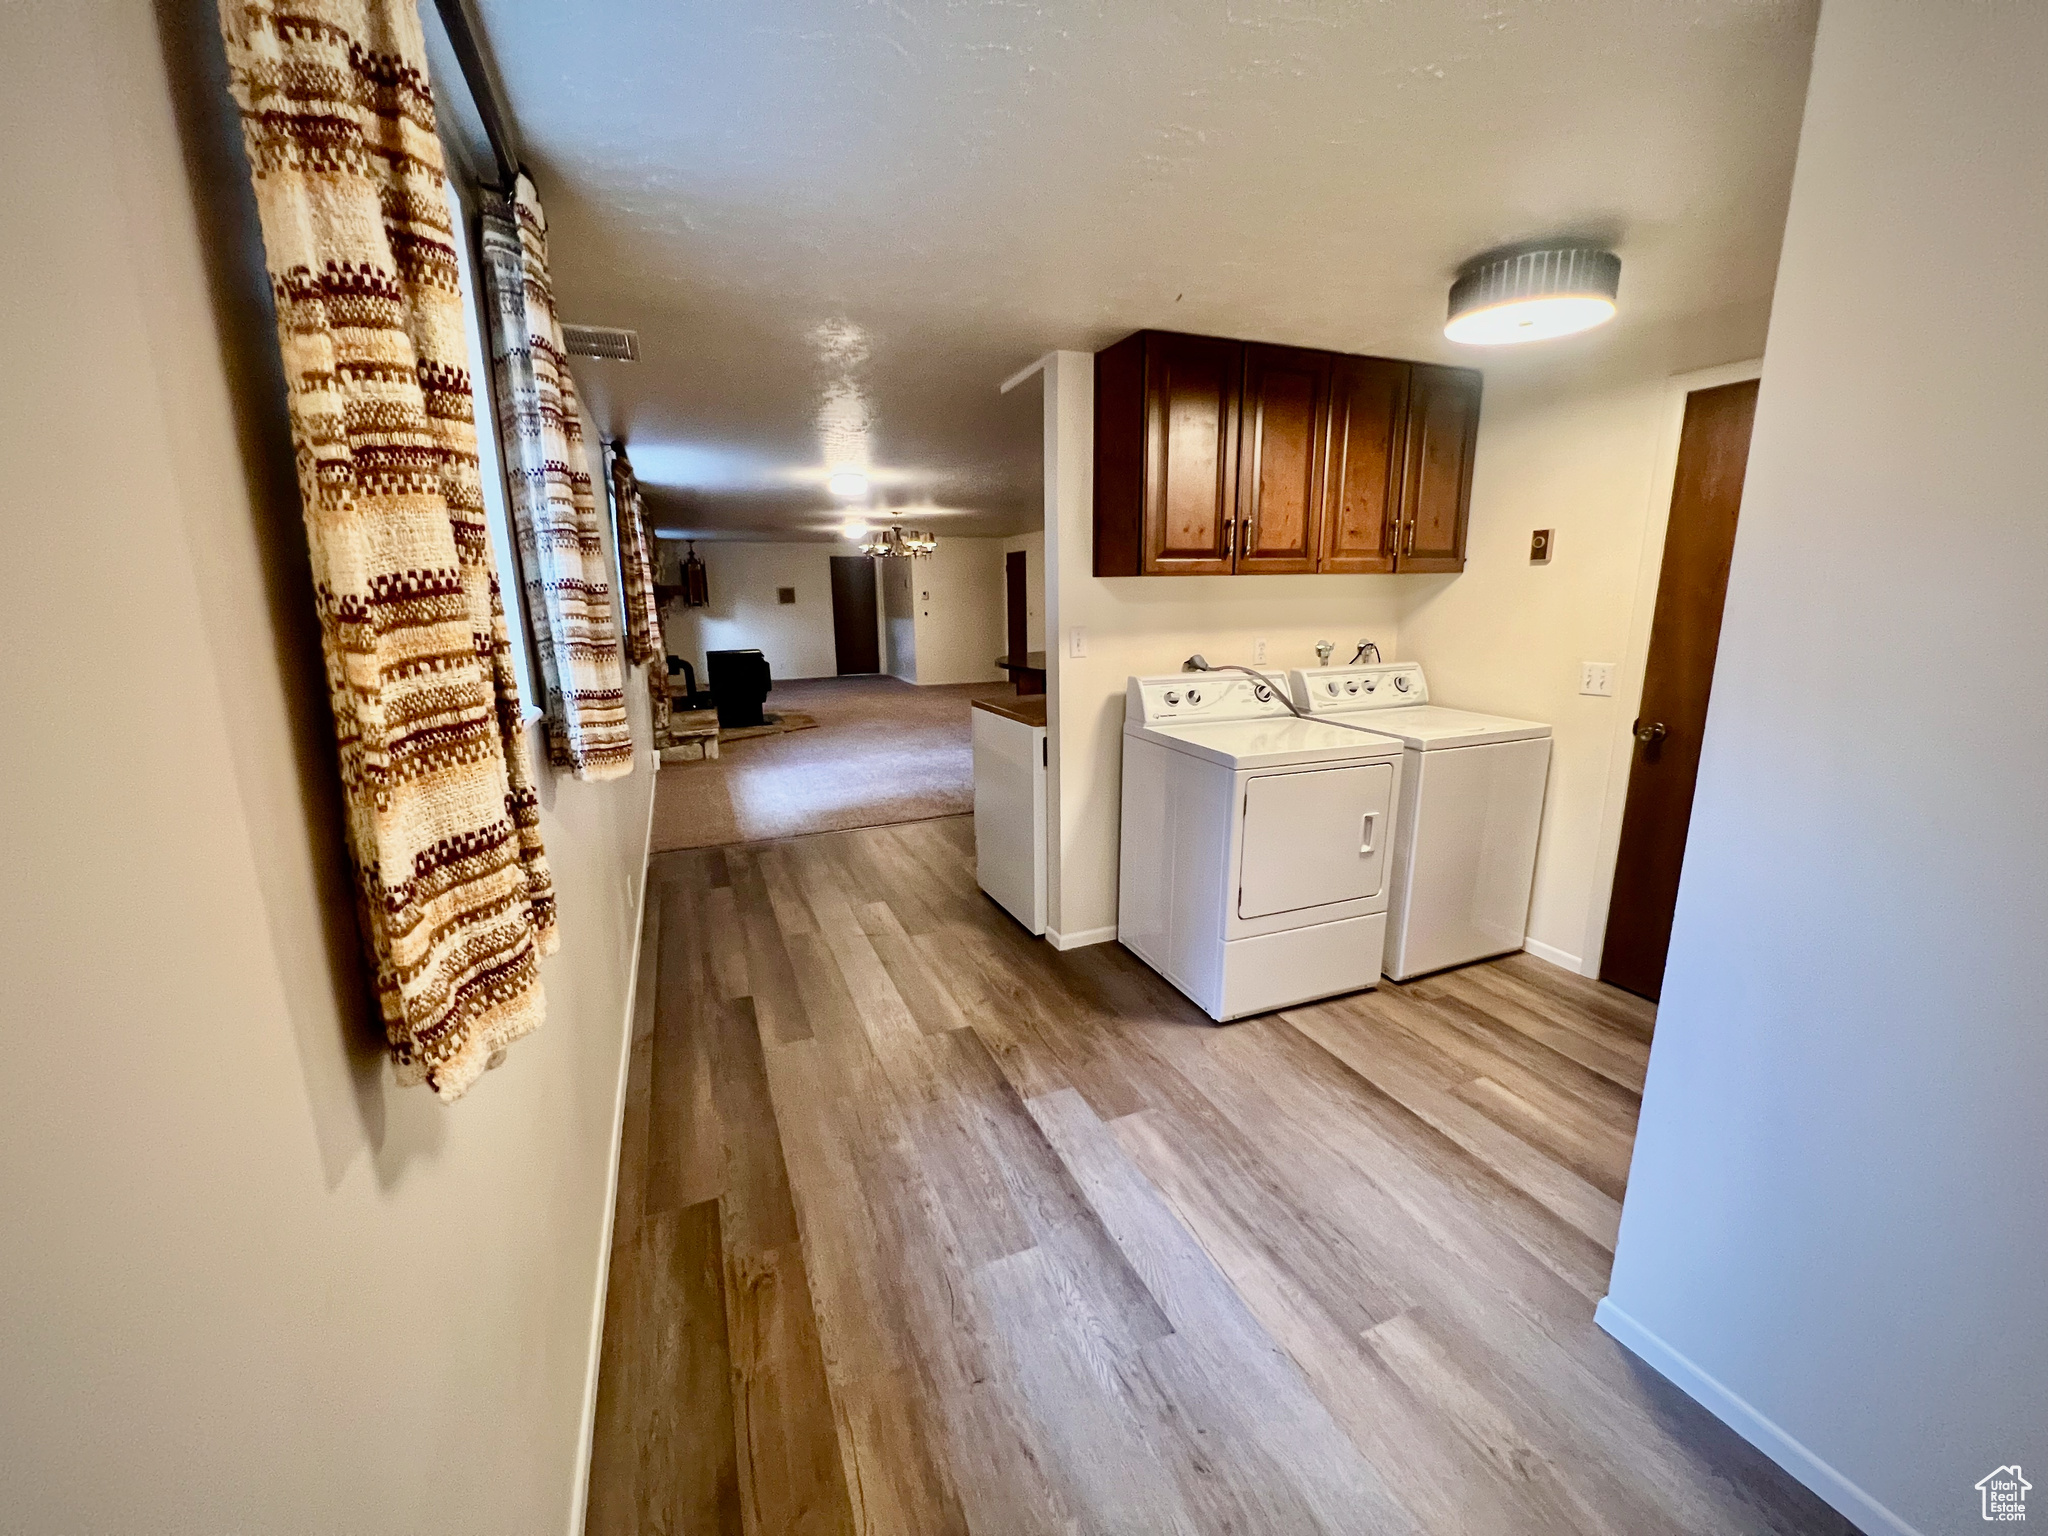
1198,663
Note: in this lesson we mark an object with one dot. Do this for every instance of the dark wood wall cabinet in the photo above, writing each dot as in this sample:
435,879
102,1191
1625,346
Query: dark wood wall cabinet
1218,458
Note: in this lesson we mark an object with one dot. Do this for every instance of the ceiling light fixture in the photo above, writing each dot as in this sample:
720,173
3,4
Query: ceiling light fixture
899,543
855,528
847,484
1533,294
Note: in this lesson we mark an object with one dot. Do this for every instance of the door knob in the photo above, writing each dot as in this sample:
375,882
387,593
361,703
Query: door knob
1649,735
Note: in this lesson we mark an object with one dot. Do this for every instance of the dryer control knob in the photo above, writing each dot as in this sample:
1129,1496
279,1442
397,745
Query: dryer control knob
1172,697
1194,695
1261,692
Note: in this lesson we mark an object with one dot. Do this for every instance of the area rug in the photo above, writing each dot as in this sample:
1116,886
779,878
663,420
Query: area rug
881,751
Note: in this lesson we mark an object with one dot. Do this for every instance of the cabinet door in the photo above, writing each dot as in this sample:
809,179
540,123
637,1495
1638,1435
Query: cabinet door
1436,484
1280,458
1191,411
1120,458
1362,484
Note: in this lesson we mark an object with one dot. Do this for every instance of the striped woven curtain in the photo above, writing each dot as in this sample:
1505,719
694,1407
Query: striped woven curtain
561,545
456,903
643,614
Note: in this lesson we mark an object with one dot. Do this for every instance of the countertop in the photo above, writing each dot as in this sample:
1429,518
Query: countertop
1028,710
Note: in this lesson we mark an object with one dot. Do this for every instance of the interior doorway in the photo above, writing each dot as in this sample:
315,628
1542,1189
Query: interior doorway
1016,617
1685,633
856,621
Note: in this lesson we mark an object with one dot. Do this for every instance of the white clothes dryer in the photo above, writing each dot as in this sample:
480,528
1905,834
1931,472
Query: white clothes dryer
1254,844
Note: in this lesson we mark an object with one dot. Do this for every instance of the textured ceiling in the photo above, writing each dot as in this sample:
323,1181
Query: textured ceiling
838,226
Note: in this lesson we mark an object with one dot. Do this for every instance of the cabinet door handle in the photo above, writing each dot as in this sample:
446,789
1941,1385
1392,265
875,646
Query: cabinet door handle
1229,537
1246,547
1411,538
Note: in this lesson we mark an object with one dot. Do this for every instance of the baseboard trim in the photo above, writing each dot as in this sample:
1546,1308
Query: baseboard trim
1081,938
579,1496
1555,956
1850,1501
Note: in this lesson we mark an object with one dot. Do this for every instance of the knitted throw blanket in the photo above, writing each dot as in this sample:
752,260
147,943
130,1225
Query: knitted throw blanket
561,543
455,900
643,614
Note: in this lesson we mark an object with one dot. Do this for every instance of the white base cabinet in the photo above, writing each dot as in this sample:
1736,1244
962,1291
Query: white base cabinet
1009,814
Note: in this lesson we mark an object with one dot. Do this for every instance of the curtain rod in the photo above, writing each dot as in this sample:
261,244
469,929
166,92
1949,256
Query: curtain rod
462,36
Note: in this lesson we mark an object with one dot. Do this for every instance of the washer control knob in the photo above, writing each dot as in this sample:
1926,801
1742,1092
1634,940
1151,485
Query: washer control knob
1172,697
1371,683
1400,683
1331,685
1261,692
1351,687
1194,695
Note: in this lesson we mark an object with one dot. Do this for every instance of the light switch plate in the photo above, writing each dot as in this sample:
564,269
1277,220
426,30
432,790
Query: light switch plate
1597,679
1077,642
1258,653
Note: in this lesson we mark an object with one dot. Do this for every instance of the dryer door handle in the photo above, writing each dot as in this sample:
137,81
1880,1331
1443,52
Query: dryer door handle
1368,824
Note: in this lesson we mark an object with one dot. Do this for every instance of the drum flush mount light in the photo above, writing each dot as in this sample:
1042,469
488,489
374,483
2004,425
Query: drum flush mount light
1531,294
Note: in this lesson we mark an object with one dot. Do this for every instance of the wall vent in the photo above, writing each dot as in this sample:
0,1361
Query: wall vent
602,341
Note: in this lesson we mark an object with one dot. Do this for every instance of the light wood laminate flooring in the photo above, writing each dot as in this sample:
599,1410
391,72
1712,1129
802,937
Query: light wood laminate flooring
926,1227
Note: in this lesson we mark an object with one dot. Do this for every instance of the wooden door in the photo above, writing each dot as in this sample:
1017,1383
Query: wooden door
1436,479
856,634
1016,617
1685,632
1362,478
1284,421
1190,481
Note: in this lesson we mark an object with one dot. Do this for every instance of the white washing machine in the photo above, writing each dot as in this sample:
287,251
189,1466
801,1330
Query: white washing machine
1471,805
1254,850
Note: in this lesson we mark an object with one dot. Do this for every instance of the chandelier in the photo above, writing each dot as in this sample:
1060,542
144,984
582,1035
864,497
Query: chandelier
898,543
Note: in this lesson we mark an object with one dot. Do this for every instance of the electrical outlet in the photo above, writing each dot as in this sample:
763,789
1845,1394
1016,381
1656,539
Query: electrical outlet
1258,653
1597,679
1077,642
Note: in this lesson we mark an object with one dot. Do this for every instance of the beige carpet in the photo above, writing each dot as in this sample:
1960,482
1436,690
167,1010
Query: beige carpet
883,751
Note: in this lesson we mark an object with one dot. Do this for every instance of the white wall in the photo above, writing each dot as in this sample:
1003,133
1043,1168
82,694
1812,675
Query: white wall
942,616
1137,625
1571,446
1834,1233
745,613
284,1292
1033,546
957,596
